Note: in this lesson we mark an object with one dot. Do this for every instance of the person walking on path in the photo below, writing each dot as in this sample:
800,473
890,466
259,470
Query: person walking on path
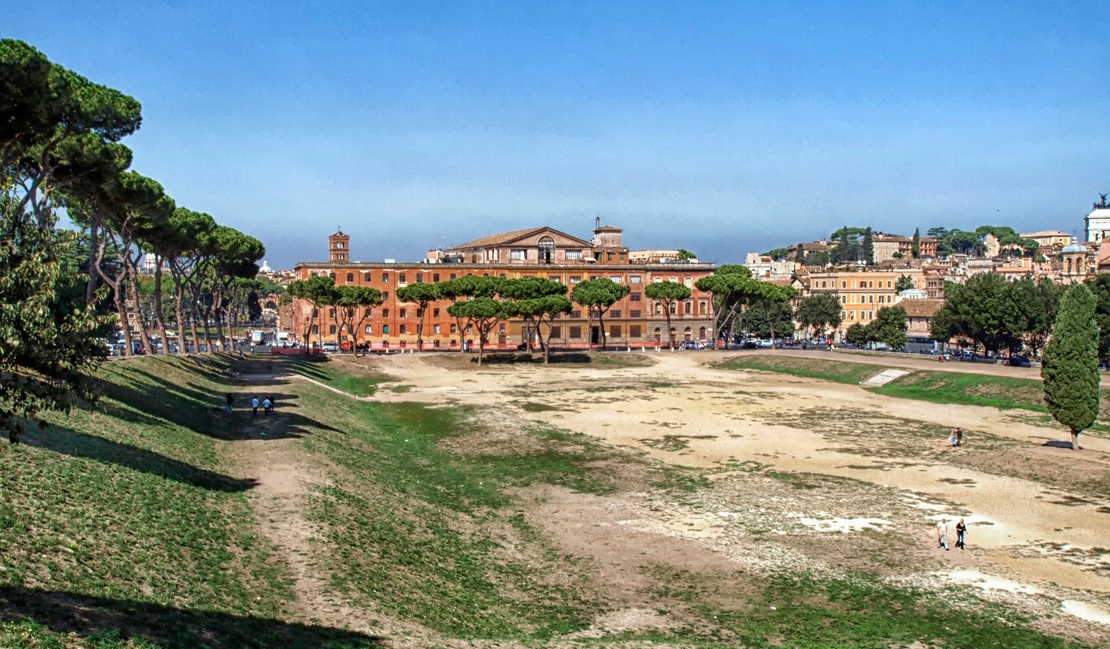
254,406
959,436
952,438
266,406
271,400
961,529
230,401
942,534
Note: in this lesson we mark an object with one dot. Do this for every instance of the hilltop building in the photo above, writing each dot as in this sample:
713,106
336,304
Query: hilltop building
1097,222
544,252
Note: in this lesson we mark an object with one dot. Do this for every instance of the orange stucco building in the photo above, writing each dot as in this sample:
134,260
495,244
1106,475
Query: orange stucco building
544,252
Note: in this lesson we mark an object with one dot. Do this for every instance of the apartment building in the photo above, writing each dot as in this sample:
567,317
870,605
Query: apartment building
861,293
544,252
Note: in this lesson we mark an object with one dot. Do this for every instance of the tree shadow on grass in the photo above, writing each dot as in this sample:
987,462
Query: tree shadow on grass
74,444
168,627
1057,444
159,401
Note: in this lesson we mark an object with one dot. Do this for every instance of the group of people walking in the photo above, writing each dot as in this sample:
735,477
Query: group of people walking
267,404
942,534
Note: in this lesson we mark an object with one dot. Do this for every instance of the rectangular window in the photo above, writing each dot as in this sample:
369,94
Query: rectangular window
350,278
331,329
633,297
622,256
401,279
634,331
843,284
385,313
404,314
369,329
615,314
616,279
609,257
576,314
435,277
404,328
614,331
435,329
385,278
331,313
555,278
435,312
385,330
419,278
385,296
452,276
634,314
574,279
556,332
574,255
369,312
576,332
454,329
316,329
366,278
517,255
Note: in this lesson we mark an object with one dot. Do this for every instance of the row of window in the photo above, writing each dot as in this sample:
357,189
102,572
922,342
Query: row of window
868,283
574,331
402,278
867,299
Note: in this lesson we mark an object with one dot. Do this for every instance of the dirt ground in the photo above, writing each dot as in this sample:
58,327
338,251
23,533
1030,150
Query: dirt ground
813,474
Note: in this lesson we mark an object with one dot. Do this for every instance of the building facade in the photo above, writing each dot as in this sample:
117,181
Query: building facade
634,321
861,293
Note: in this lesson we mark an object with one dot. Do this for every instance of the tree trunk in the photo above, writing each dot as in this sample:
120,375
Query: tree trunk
670,332
182,345
481,343
420,330
158,315
90,287
133,291
124,322
207,331
217,307
1075,440
601,327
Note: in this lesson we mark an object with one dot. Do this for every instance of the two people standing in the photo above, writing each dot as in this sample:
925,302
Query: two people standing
267,406
957,437
942,534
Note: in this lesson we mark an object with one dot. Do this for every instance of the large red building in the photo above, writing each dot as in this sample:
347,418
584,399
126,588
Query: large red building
544,252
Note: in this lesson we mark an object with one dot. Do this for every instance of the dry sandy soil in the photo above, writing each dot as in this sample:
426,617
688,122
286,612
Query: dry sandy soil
1038,514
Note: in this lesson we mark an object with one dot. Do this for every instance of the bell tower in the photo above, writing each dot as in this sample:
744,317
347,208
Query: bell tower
339,247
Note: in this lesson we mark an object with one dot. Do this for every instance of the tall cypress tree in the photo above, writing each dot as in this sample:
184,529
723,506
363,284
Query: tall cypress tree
1070,363
915,248
868,249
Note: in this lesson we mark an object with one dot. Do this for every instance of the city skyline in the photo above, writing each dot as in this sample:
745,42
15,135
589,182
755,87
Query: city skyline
716,128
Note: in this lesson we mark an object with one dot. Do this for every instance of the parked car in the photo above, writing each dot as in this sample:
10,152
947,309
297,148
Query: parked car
330,347
1018,361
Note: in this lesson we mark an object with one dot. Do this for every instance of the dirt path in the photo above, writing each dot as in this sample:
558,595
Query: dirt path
270,452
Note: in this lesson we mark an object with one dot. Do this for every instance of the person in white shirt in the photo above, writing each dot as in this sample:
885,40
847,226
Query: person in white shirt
266,406
254,406
942,534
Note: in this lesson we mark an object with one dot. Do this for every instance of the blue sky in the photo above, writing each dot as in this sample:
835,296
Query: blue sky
721,127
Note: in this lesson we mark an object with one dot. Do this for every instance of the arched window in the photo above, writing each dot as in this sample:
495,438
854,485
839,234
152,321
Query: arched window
658,333
701,332
686,334
546,249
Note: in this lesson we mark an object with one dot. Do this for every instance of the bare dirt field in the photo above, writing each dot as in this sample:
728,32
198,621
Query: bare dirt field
804,473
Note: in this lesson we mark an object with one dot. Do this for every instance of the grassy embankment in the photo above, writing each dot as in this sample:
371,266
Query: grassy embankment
128,527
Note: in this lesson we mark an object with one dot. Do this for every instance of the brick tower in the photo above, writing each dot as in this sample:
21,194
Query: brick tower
338,247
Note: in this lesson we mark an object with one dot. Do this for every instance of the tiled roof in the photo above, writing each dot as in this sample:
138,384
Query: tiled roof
921,308
494,239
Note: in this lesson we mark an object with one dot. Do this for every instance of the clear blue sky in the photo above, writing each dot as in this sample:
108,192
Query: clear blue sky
718,127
